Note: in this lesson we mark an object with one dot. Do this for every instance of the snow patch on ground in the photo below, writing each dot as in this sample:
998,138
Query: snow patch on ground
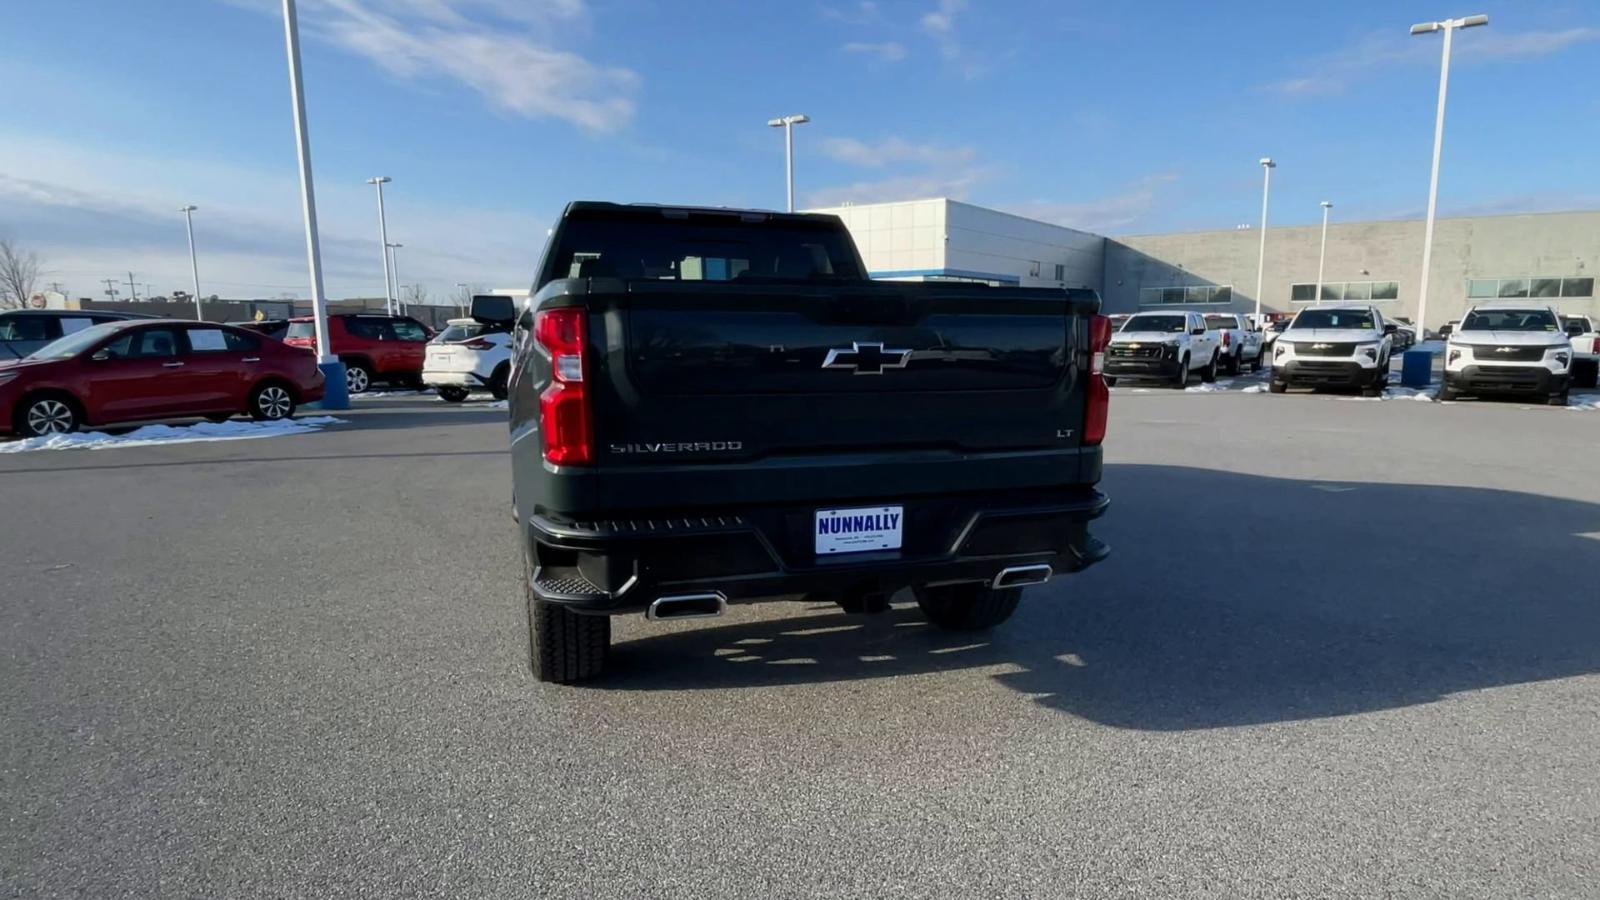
1255,389
150,435
389,395
1584,403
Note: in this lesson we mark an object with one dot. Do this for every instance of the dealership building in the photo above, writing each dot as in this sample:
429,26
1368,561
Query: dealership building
1550,258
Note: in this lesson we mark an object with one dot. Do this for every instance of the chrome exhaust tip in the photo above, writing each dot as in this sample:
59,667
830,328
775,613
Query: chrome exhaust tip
1021,576
688,606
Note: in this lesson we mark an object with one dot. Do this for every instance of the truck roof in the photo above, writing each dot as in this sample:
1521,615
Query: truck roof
643,211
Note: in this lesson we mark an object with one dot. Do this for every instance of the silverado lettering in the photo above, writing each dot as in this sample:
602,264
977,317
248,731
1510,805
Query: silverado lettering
936,477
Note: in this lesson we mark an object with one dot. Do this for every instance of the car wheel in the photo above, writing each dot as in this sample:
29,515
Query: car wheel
451,394
497,381
1111,380
1209,376
1182,378
1559,399
45,416
270,402
564,646
1232,365
1586,375
1277,387
967,607
357,378
1447,394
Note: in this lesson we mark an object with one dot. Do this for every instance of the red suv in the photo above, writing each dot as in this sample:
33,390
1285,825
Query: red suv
153,369
372,347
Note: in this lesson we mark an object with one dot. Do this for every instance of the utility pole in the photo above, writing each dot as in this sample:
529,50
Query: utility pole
111,288
133,288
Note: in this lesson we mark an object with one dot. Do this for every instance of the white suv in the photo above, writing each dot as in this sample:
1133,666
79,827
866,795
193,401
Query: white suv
468,356
1334,346
1509,350
1164,345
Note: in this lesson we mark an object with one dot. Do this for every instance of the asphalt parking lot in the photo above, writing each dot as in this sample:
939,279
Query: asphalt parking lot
1341,649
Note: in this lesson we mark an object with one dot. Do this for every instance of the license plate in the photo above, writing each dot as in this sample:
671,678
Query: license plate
858,530
441,357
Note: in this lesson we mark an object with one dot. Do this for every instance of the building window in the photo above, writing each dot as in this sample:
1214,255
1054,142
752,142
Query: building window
1543,287
1353,291
1196,293
1061,272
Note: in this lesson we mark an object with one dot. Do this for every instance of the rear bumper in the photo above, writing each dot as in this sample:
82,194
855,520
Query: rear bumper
435,378
624,565
1325,372
1506,380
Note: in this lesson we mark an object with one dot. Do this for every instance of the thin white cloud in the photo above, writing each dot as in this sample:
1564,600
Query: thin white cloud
940,24
1375,54
888,51
1116,212
505,50
864,12
895,151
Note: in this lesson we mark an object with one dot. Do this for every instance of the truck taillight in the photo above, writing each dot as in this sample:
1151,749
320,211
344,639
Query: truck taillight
478,344
1597,345
564,415
1097,406
1227,338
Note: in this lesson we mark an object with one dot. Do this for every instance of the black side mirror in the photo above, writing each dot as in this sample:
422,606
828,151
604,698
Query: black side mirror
1390,328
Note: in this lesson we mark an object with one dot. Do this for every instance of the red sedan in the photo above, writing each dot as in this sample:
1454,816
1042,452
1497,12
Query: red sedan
153,369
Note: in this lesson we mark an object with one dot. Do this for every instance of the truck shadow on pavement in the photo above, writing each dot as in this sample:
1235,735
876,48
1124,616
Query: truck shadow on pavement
1228,600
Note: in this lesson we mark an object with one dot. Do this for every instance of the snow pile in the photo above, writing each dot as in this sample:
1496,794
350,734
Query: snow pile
1405,393
1213,388
151,435
1584,402
383,395
1255,389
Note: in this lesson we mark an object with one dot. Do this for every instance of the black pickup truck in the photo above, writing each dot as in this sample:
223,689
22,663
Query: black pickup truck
715,405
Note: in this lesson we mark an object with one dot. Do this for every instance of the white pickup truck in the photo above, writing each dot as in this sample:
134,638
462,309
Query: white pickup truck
1166,346
1585,350
1241,341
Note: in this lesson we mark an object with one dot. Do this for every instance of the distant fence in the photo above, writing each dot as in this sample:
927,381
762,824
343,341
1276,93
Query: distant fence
245,310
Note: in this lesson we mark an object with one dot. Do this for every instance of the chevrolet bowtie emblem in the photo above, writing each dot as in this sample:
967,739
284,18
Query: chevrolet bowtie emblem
866,359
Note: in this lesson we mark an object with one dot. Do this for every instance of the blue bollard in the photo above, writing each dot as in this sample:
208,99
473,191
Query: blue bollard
1416,368
335,395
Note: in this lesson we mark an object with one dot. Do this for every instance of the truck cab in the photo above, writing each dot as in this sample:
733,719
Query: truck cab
1166,346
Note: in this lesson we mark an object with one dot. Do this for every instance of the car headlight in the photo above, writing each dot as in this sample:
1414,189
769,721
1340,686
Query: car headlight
1455,354
1562,358
1280,347
1370,351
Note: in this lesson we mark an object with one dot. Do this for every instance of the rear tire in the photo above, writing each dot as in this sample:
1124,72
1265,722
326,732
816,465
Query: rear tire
1233,365
564,646
451,394
271,402
967,607
1586,375
1448,394
1277,387
1560,399
1209,376
1111,380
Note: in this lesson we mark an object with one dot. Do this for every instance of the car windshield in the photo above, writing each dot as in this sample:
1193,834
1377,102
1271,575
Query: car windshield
1174,324
1335,318
1216,322
454,333
1509,320
306,330
73,344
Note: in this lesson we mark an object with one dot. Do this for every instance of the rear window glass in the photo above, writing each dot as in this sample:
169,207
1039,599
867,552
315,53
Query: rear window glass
1335,318
456,333
700,248
307,330
25,328
1509,320
1215,322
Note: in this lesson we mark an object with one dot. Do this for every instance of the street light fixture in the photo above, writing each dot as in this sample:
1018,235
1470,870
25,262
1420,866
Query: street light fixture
1323,256
194,268
1267,165
334,396
787,123
383,235
1448,26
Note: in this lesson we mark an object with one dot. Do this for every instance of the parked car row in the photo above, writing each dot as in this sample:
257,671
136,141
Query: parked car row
138,369
1173,346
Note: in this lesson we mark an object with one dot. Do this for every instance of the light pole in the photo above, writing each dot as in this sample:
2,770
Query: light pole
787,123
1323,256
1267,165
383,235
394,268
335,394
194,267
464,297
1449,27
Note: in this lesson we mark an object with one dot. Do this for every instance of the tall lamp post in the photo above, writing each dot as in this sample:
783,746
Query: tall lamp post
383,236
1322,257
335,395
787,123
1267,165
394,271
194,267
1448,26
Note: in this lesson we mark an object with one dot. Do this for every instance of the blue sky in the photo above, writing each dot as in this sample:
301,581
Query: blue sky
491,114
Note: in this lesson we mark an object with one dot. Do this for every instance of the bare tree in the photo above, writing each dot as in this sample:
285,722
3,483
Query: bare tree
416,295
19,272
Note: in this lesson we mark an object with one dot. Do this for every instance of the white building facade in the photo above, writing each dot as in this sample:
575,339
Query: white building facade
946,240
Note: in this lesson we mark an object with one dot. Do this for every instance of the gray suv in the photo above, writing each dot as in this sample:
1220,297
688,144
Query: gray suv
23,331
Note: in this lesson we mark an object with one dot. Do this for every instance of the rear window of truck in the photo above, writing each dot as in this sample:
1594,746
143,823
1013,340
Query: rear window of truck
701,248
1216,322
